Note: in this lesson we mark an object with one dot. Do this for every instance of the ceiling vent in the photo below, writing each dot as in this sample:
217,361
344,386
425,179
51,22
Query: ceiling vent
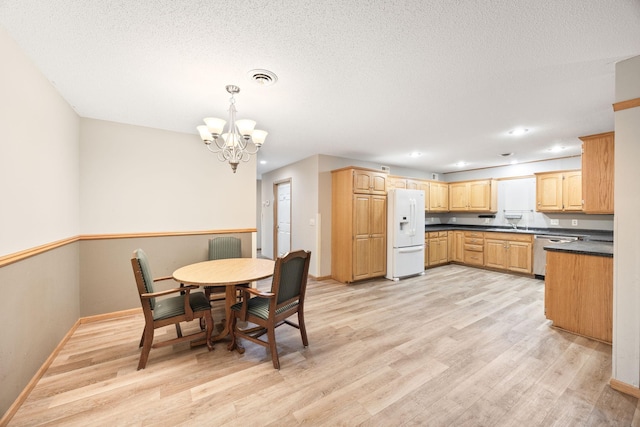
263,77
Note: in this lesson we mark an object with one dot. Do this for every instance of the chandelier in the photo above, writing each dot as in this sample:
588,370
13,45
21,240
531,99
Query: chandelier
231,146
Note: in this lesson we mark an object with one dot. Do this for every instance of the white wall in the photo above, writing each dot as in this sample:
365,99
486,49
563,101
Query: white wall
39,173
138,179
304,208
39,168
626,283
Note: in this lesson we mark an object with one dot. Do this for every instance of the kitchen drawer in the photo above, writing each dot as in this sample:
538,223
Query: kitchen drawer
513,237
473,257
434,234
473,248
478,234
473,241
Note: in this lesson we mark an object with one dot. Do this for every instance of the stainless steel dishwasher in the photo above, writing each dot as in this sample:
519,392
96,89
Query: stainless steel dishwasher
539,256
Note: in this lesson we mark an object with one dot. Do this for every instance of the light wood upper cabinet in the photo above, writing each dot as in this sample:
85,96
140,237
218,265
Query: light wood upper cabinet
438,197
572,191
597,173
413,184
369,181
473,196
458,196
396,182
424,186
559,191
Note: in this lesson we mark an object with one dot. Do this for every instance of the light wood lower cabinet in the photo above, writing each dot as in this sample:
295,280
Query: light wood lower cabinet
474,248
509,251
579,294
437,248
456,246
369,249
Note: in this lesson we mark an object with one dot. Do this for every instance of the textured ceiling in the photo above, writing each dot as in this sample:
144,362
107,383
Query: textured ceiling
372,80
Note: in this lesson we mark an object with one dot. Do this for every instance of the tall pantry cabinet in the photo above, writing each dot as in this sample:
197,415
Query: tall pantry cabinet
358,224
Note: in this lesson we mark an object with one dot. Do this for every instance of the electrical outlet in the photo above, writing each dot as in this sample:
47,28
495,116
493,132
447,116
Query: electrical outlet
554,222
453,219
574,222
487,220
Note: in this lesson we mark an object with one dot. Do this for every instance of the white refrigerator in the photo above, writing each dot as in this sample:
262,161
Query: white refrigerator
405,233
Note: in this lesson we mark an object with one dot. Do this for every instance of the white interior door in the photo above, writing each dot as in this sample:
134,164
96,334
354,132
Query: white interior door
283,218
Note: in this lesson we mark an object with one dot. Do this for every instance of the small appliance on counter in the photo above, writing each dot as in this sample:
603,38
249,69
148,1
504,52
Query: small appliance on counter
405,233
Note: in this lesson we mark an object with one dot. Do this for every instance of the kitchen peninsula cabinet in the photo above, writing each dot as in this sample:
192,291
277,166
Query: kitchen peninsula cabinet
509,251
559,191
473,196
597,173
359,221
578,294
438,197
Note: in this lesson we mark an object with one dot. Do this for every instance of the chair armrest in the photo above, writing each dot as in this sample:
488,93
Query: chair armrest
158,279
243,315
185,289
258,293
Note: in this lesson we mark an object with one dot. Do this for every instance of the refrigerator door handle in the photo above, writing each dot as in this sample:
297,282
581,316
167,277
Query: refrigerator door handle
412,217
411,249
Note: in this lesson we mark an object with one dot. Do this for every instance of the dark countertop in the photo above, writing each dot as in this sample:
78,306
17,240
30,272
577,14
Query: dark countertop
585,235
604,249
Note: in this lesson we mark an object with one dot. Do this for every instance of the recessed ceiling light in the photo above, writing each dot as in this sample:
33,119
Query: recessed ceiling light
556,148
514,162
518,131
415,154
263,162
461,164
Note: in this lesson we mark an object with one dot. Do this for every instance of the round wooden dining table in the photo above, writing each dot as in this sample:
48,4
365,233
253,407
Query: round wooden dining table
227,272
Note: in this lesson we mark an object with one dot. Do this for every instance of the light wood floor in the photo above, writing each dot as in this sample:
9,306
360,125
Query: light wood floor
458,346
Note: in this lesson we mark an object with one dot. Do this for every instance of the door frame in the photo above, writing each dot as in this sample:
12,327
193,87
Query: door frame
275,213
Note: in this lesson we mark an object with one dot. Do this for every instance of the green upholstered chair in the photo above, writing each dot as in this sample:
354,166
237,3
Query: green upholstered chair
161,310
268,310
223,248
